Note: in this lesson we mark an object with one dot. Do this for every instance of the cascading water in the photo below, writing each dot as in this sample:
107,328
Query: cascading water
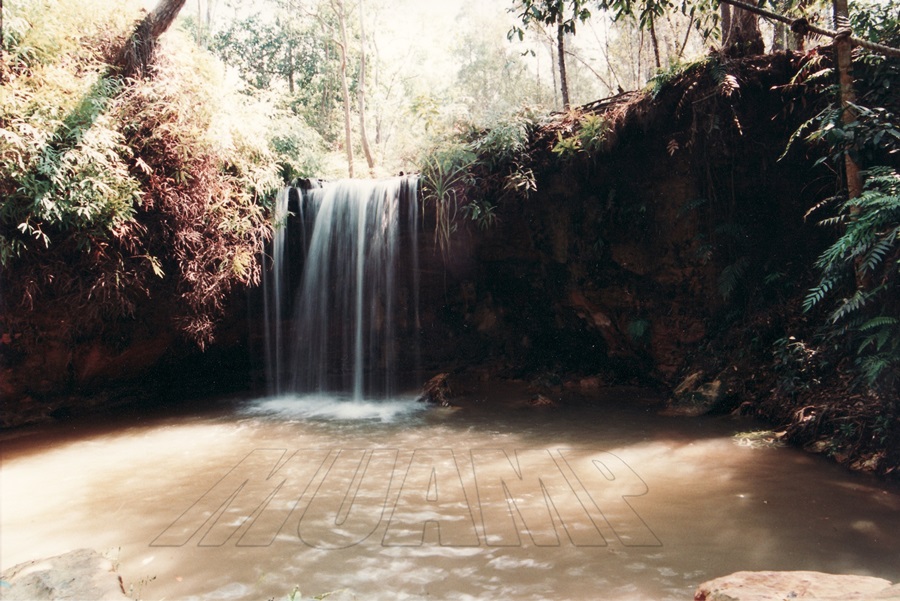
350,318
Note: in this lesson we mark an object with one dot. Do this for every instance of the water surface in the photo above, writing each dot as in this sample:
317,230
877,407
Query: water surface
497,499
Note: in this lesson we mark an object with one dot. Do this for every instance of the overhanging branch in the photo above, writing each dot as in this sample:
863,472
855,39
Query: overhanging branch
802,26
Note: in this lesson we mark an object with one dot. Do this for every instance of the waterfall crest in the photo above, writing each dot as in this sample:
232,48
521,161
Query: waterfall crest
341,290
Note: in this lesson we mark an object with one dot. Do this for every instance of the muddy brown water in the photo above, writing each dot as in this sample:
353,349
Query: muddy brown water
496,499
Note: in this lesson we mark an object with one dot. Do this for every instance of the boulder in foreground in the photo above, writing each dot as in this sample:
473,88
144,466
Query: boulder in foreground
811,586
76,575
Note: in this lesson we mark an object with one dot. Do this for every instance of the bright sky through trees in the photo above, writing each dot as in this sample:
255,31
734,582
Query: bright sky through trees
429,65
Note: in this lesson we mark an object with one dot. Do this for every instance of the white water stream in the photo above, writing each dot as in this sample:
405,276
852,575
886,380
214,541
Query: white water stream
338,325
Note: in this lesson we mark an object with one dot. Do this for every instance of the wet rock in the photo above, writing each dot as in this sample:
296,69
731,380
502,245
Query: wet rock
77,575
436,391
692,398
689,384
812,586
586,385
869,462
710,393
590,384
541,401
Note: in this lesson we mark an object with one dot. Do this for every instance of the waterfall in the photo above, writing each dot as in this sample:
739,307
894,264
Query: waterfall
341,308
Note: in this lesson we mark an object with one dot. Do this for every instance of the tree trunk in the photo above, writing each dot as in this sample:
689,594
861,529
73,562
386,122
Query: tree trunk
843,58
561,52
844,64
338,6
137,55
362,91
198,34
290,67
740,32
554,68
655,42
784,38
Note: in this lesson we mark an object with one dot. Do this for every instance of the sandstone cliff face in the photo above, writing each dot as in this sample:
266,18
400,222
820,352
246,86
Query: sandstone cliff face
627,263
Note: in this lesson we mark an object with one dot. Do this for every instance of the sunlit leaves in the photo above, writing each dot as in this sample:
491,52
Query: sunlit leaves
114,191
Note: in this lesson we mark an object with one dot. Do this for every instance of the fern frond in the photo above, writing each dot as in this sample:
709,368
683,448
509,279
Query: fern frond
819,205
851,305
874,366
800,132
822,75
718,72
879,322
876,255
731,277
816,294
879,339
831,221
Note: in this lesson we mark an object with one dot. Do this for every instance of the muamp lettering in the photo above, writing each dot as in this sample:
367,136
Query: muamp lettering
340,498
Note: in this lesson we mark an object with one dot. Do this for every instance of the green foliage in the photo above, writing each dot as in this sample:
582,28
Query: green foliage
665,77
639,330
473,172
588,137
795,365
867,253
294,56
732,276
299,147
567,13
445,180
63,176
116,191
855,300
502,143
876,21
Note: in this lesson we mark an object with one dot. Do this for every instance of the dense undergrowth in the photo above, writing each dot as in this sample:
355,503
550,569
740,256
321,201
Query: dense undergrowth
119,193
811,340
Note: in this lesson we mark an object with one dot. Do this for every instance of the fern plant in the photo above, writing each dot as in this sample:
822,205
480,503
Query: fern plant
866,255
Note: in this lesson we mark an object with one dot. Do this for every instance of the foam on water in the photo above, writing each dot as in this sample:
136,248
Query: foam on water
334,407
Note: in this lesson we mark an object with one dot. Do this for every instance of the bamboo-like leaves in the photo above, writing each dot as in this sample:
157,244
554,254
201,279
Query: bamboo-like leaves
444,183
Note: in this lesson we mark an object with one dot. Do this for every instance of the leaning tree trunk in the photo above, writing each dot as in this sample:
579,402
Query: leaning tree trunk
561,57
138,52
338,7
655,42
740,32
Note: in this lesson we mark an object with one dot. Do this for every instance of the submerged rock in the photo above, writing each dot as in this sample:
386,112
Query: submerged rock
812,586
76,575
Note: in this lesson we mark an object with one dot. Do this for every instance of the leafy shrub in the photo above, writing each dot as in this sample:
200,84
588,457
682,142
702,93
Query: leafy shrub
445,182
115,191
476,169
588,137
